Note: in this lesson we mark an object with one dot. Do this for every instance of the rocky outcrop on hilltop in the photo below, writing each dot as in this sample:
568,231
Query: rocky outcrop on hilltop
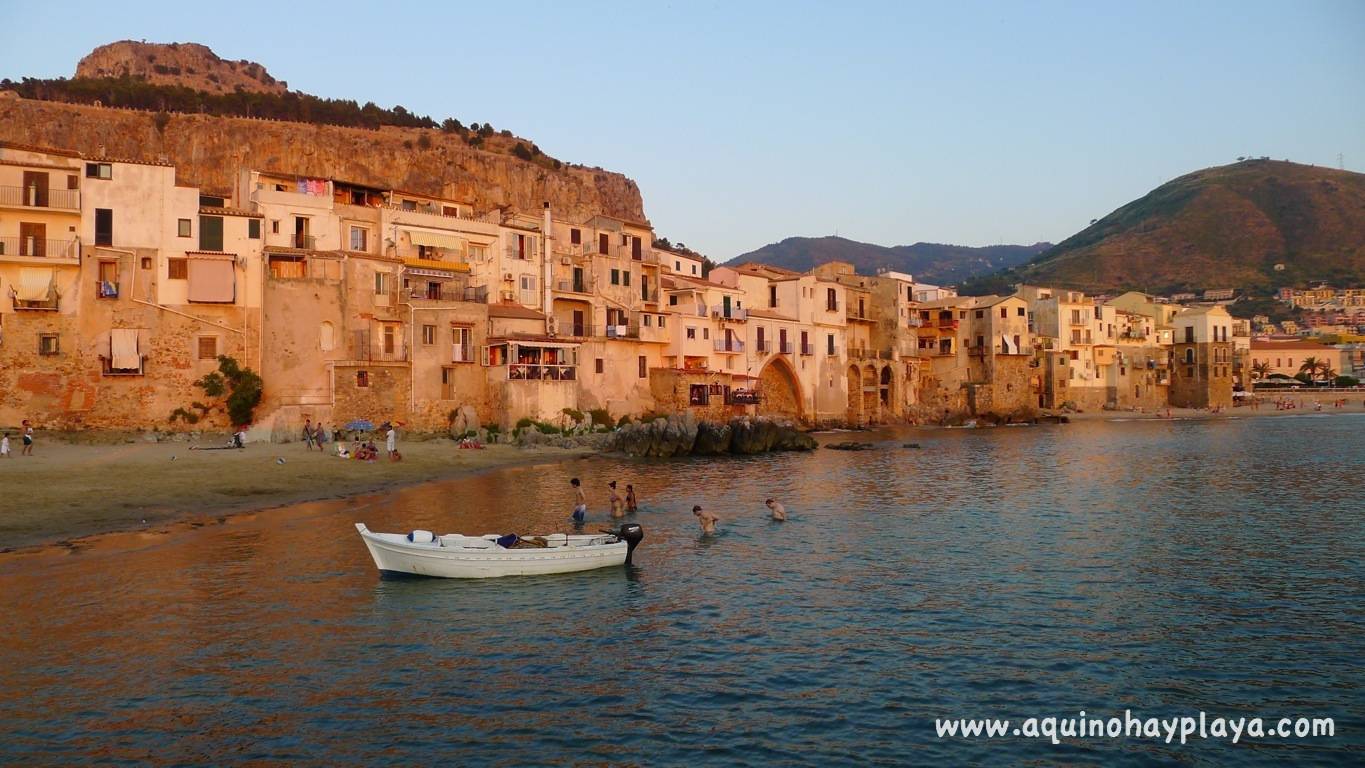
208,151
188,64
683,434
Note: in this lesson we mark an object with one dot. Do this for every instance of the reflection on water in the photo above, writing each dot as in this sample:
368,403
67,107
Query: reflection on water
1166,568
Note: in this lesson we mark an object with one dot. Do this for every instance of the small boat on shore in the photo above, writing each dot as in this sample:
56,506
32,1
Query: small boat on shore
453,556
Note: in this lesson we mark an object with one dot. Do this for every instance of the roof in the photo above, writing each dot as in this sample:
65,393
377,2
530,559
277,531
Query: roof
949,303
514,311
218,211
628,222
766,315
44,150
1273,345
763,270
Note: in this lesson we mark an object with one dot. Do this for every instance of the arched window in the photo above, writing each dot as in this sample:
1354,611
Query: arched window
1189,356
326,336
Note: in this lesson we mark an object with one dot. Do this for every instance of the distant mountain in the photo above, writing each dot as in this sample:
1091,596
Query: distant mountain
1255,224
928,262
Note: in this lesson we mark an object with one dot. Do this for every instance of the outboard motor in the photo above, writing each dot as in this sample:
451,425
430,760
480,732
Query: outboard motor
632,534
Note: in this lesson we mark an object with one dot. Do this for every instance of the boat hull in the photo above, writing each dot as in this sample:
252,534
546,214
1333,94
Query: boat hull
398,558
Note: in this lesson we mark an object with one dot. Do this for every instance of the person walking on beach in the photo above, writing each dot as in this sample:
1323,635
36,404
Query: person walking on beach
631,505
580,501
308,436
391,442
617,505
28,439
4,446
779,511
708,520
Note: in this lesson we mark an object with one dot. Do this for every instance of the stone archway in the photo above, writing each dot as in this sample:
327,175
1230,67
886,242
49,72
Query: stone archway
867,390
886,389
855,395
779,389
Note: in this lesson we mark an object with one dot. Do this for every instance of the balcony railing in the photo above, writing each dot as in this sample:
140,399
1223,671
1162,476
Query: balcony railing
519,253
539,372
785,348
631,331
475,294
807,350
305,241
37,247
461,353
364,350
730,313
946,324
729,345
36,197
765,346
856,314
573,286
51,304
831,351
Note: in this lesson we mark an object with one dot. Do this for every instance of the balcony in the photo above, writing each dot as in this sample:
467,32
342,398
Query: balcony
461,353
574,286
106,289
39,248
765,346
474,294
361,350
945,324
729,313
807,350
51,303
857,314
541,372
304,241
631,331
526,252
37,197
831,351
784,348
729,346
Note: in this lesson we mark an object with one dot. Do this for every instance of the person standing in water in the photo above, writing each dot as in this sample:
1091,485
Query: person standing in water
617,505
580,509
631,505
708,519
779,511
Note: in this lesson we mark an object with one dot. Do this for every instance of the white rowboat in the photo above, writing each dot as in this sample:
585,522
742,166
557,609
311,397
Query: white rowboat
453,556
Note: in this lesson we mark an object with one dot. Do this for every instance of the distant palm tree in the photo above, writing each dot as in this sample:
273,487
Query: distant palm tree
1325,370
1260,369
1310,366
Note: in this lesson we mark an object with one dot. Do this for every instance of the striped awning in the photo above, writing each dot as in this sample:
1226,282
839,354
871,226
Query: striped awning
434,268
435,239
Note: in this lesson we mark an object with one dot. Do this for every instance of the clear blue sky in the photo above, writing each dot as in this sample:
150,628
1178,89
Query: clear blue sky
744,123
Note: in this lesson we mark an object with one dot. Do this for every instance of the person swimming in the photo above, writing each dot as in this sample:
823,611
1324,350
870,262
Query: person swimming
631,505
580,510
618,507
779,511
708,520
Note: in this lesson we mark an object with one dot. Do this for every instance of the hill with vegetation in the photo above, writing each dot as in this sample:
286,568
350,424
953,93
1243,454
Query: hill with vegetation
1255,225
928,262
208,135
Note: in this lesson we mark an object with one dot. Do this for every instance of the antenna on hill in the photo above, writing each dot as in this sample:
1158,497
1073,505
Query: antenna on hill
1341,162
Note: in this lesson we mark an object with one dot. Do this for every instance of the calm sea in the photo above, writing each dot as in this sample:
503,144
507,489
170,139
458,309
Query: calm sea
1166,568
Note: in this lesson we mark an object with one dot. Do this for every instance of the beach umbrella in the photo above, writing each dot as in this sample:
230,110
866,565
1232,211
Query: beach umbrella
360,425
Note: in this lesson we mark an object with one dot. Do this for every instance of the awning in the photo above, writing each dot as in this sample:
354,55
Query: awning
123,355
35,284
212,280
428,266
435,240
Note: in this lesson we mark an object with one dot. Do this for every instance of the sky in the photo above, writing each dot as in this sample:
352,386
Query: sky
748,122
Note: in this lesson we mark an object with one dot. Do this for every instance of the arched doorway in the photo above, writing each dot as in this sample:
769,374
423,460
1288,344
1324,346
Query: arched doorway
868,393
886,389
855,395
779,390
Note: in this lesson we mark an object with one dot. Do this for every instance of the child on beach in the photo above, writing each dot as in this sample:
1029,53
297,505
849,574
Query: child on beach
28,439
4,446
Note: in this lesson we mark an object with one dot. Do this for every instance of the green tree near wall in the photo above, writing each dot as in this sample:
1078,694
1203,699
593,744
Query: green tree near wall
241,386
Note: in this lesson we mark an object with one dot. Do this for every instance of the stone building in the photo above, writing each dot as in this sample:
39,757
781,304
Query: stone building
1201,358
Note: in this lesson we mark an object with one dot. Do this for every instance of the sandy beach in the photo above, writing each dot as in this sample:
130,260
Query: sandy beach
67,490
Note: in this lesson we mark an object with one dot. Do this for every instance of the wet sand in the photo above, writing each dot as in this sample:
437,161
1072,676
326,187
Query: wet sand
68,491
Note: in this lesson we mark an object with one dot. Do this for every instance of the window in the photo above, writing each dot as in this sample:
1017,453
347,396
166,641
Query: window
644,367
980,313
208,347
691,332
253,229
1189,335
461,351
1189,356
99,171
1004,312
661,321
603,243
677,266
381,282
706,333
575,236
1017,348
177,269
648,320
104,226
211,233
48,344
183,228
673,300
831,300
428,335
599,365
390,339
326,336
616,277
698,394
694,269
362,378
478,252
1019,312
772,295
625,277
829,344
274,226
360,238
146,262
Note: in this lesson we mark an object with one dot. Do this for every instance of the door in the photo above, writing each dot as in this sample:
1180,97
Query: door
635,249
32,239
782,340
35,189
578,323
104,226
644,287
301,232
725,302
578,285
603,243
761,346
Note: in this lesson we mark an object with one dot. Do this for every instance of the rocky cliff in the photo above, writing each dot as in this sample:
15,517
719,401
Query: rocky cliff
207,152
188,64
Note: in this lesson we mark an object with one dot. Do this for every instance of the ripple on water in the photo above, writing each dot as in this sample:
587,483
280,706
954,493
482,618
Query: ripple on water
1161,567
